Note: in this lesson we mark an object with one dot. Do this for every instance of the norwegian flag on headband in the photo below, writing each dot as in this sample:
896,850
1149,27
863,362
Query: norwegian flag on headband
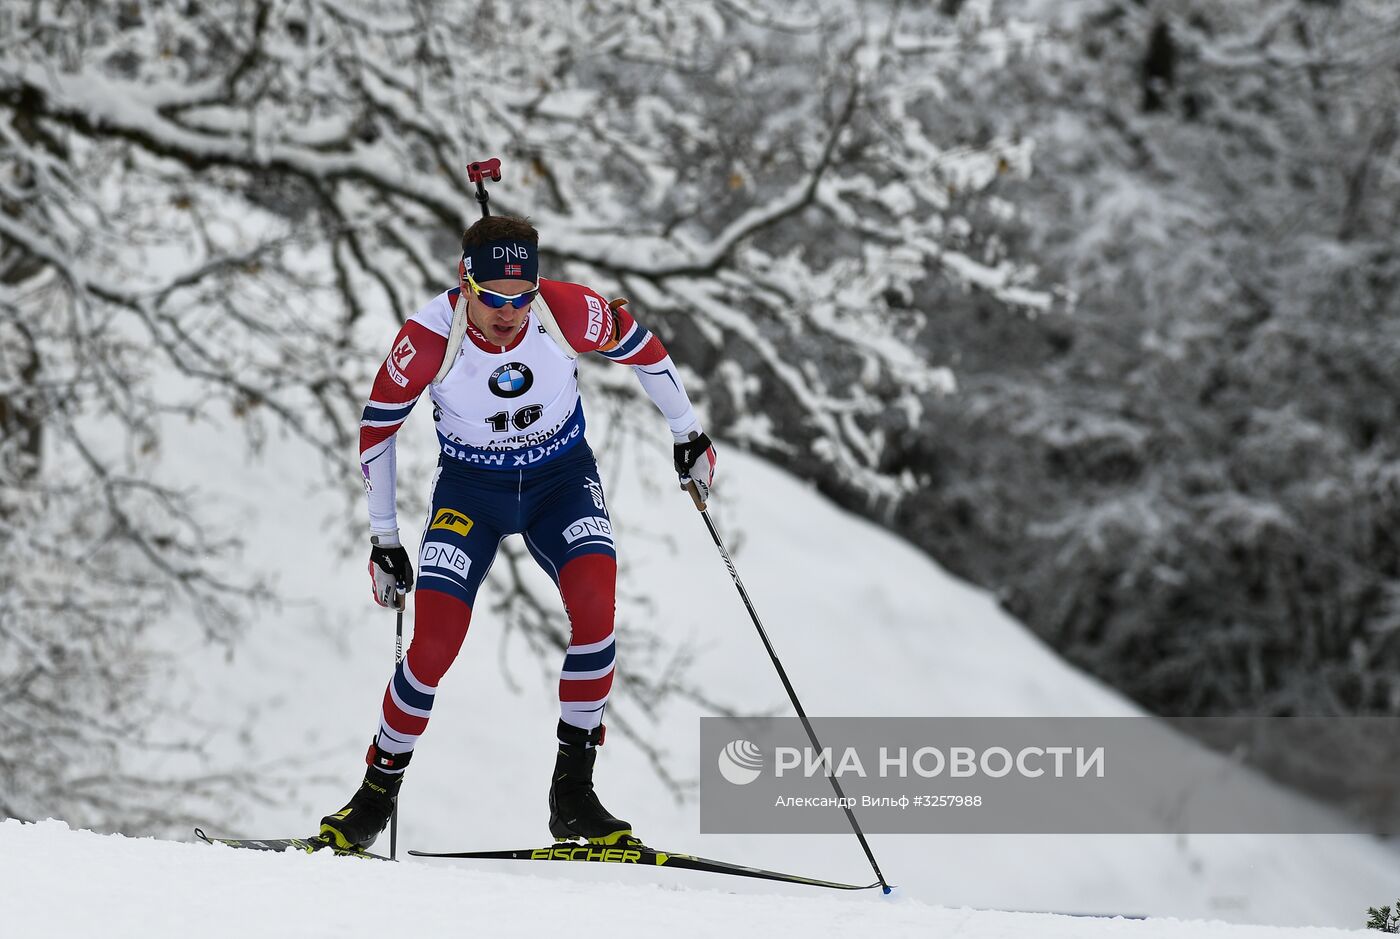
512,270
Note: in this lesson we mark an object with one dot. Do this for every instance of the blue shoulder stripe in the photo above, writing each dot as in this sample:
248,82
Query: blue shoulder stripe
386,414
629,346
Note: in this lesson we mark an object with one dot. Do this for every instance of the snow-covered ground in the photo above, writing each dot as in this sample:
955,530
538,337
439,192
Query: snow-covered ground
865,624
59,883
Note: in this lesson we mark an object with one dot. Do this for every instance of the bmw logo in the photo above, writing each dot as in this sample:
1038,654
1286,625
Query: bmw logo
511,380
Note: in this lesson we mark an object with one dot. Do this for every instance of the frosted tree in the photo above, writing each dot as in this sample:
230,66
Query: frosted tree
1192,491
223,208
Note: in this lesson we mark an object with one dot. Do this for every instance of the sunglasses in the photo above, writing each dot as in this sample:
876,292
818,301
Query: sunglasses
496,300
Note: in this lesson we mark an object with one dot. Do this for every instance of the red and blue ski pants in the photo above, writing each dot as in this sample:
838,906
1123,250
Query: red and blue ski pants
560,510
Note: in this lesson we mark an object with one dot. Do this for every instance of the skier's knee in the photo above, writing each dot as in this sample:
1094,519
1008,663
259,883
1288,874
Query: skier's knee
589,588
439,627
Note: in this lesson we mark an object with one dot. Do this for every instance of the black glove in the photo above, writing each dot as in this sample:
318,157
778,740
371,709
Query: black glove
695,463
390,571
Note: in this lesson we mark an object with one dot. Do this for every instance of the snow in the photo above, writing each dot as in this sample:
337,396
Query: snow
864,623
61,883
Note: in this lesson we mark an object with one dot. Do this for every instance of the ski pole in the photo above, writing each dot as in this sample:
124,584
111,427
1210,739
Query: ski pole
782,674
394,816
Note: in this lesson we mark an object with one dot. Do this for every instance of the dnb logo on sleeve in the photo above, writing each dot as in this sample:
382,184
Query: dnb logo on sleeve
451,520
510,380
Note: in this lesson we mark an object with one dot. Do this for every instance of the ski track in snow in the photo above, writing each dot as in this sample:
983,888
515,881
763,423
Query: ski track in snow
61,883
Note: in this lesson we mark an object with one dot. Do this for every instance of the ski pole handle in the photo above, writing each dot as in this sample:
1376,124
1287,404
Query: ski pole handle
694,491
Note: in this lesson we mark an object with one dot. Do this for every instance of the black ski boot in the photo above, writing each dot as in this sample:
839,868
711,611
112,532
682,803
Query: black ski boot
369,809
574,809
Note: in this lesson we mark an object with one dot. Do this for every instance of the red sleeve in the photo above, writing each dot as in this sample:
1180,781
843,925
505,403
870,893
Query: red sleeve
581,312
413,362
591,325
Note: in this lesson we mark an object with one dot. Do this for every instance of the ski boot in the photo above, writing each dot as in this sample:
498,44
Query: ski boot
369,809
574,809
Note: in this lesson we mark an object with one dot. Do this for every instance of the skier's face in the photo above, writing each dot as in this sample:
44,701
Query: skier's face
498,325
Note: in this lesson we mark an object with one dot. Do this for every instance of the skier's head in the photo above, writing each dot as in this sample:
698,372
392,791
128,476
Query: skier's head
499,272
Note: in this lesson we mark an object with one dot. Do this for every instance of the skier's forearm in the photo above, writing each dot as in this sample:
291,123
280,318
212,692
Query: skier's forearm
380,475
379,461
662,383
638,347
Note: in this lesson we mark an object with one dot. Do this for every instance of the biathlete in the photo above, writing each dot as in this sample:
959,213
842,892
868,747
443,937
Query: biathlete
496,354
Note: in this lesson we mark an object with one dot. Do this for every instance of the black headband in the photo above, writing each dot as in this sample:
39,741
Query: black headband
507,259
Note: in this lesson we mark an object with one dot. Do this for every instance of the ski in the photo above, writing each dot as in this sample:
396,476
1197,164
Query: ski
308,845
640,854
